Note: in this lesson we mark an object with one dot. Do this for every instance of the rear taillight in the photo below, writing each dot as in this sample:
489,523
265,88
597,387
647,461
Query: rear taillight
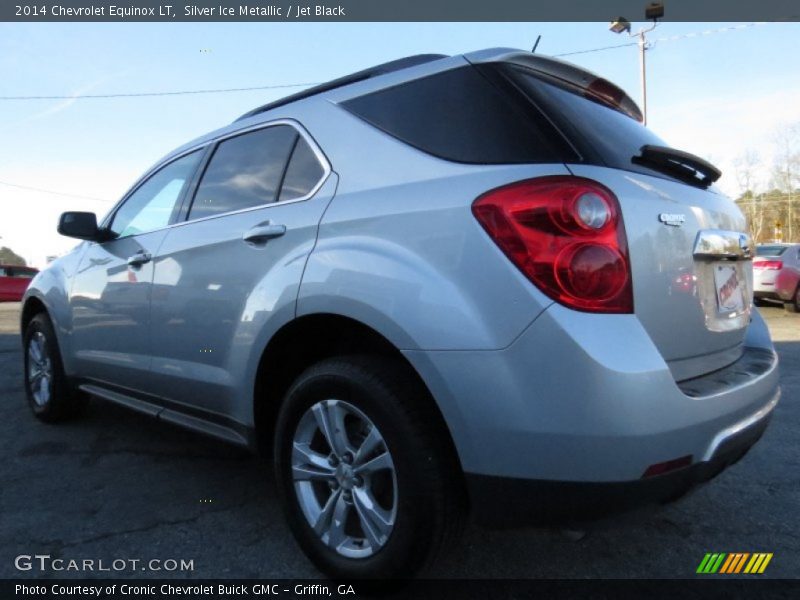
770,265
566,235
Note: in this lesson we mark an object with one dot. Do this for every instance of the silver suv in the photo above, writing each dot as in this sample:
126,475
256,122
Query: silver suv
442,286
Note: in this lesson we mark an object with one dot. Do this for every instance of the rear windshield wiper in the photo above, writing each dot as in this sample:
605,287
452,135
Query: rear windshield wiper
687,167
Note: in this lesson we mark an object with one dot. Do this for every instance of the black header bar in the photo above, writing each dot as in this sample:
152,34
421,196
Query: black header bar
394,10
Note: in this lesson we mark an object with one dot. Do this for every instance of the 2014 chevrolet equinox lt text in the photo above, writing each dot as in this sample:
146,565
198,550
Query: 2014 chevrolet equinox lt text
444,286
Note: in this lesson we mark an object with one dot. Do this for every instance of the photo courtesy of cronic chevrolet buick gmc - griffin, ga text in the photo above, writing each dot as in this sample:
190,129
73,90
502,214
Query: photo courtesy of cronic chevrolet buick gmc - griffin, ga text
446,286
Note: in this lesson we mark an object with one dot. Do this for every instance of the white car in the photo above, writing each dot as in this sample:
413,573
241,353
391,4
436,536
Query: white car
776,274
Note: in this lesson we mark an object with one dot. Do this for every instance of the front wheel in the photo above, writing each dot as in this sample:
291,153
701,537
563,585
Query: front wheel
364,476
49,393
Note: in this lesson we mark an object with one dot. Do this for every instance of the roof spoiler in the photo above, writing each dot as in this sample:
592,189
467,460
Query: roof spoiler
589,83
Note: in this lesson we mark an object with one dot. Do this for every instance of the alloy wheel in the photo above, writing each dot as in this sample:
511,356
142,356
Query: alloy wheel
40,369
344,478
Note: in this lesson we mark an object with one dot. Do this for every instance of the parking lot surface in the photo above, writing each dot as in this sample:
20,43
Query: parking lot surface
118,485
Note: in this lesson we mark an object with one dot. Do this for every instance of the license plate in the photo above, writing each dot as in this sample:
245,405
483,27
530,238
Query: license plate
730,294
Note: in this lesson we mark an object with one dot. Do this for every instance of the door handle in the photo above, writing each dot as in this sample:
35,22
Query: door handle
138,259
262,233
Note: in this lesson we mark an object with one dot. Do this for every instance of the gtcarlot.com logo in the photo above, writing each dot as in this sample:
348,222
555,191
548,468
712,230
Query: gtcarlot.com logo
44,562
723,563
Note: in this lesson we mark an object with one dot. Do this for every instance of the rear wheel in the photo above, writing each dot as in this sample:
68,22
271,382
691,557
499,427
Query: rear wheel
793,306
49,394
364,476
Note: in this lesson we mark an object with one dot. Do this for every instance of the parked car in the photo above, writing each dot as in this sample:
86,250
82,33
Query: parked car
14,280
442,286
776,274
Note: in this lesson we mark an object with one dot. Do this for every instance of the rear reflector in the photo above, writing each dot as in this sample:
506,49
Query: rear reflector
666,467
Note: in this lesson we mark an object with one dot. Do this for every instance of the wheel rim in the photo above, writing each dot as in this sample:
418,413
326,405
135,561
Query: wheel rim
40,369
344,478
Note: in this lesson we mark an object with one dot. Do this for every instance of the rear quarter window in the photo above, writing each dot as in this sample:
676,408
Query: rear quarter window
461,116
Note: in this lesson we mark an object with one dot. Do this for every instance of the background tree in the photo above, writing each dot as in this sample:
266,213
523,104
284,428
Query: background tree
9,257
747,166
786,174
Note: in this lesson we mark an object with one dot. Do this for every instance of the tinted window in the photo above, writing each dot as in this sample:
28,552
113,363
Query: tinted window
612,135
770,250
245,171
22,272
151,205
459,115
303,173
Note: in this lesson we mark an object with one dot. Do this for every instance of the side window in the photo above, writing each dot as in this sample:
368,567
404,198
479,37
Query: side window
3,272
245,171
303,173
150,206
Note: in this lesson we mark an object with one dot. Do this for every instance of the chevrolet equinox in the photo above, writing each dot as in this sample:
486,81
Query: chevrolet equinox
442,287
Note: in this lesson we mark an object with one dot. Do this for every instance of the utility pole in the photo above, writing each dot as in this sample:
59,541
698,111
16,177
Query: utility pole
643,72
654,11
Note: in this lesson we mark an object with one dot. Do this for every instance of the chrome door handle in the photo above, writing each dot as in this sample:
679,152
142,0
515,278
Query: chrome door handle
138,259
261,234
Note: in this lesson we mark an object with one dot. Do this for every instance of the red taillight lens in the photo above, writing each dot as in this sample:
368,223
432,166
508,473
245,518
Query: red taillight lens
566,235
770,265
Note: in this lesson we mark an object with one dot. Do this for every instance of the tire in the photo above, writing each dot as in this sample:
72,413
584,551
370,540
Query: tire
793,306
47,388
417,495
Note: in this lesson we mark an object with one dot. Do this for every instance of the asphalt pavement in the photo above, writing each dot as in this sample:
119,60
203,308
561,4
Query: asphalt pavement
116,485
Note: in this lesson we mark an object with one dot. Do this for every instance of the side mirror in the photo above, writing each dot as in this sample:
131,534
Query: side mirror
81,225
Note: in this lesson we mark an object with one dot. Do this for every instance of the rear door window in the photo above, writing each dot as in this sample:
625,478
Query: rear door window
245,171
459,115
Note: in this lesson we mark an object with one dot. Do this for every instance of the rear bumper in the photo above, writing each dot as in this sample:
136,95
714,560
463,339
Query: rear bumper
501,502
779,286
589,400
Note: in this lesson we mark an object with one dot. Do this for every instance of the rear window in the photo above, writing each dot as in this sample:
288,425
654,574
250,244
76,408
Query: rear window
612,137
460,116
770,250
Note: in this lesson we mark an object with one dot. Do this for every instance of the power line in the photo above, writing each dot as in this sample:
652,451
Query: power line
293,85
672,38
174,93
706,32
35,189
595,49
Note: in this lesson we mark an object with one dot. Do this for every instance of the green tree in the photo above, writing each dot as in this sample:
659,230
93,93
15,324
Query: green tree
9,257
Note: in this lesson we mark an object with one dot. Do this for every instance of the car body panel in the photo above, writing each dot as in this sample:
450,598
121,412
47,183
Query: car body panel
218,299
110,310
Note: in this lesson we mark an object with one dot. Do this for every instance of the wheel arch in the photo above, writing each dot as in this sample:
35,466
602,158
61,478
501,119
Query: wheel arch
32,306
289,353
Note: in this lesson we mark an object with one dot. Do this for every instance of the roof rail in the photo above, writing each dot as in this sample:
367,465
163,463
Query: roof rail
382,69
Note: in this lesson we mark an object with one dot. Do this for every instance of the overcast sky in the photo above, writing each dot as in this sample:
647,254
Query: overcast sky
711,93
